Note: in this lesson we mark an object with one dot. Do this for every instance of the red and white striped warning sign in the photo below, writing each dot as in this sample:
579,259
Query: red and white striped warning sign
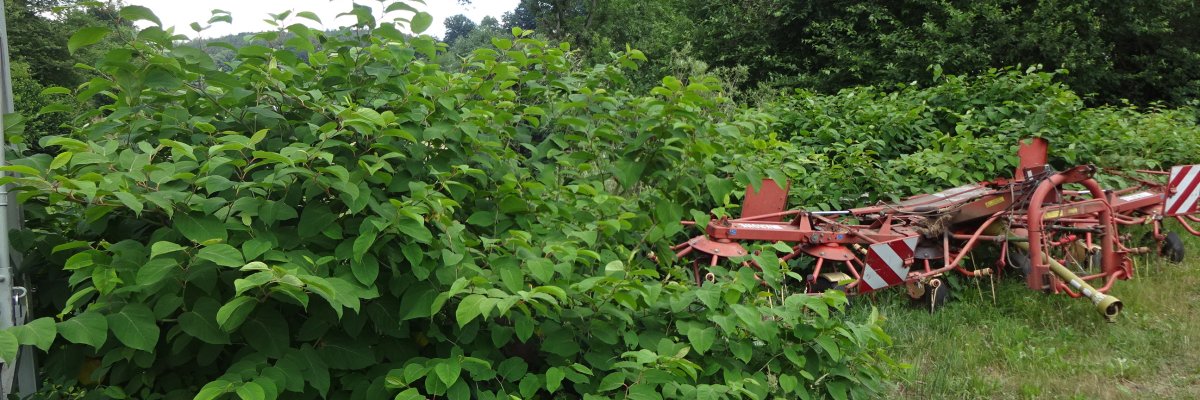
1183,190
885,264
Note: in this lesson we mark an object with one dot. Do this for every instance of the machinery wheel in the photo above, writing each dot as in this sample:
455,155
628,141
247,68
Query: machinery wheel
1172,248
1019,260
937,292
1095,259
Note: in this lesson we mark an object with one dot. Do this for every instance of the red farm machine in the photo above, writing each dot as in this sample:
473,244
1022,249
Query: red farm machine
1044,224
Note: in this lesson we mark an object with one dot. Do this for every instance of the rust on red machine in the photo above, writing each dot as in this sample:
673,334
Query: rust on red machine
1058,221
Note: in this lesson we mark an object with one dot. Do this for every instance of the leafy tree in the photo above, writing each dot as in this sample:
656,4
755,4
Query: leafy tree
458,26
1113,50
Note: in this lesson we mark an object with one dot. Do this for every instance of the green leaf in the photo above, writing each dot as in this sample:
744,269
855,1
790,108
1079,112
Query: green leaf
482,218
139,13
448,371
420,22
468,309
314,219
222,254
830,347
135,327
232,314
366,270
629,172
251,391
164,247
541,269
554,377
718,188
309,15
414,229
156,270
399,6
201,229
89,327
86,37
268,333
8,347
341,353
203,326
40,333
702,338
362,244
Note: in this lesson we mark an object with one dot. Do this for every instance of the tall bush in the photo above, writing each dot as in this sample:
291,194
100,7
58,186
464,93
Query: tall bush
361,223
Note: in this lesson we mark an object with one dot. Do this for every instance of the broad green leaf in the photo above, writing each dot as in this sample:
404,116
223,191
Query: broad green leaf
139,13
350,354
468,309
309,15
362,244
314,219
40,333
702,338
222,254
232,314
420,22
201,229
8,347
203,327
554,377
448,371
251,391
86,37
268,332
135,327
89,327
830,346
414,229
163,247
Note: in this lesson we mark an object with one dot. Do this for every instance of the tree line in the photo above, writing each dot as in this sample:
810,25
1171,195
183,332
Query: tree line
1111,51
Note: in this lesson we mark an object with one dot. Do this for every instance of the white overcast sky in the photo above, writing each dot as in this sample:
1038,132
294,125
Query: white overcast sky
248,14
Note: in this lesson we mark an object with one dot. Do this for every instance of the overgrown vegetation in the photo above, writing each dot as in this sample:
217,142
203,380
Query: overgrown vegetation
1114,50
365,224
379,215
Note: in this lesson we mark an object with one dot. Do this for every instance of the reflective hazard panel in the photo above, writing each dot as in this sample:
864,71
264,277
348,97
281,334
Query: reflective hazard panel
886,264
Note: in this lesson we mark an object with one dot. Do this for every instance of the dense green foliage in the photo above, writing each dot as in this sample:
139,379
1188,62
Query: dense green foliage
37,33
1142,51
365,224
371,214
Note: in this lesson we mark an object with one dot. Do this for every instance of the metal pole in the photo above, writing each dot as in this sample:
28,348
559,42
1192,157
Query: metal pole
8,304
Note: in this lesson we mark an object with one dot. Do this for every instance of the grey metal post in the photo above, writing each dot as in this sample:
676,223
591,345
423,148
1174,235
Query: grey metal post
8,304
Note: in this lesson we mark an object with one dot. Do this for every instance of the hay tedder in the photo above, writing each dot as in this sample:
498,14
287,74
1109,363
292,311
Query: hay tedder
1059,229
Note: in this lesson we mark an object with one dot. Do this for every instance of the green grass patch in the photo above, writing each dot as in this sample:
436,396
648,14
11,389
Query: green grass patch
999,340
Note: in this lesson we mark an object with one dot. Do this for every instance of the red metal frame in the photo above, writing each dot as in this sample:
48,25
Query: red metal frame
1038,206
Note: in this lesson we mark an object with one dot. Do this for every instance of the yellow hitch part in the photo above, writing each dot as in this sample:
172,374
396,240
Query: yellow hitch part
1108,306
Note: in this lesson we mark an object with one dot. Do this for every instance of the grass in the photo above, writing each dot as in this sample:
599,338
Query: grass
1023,344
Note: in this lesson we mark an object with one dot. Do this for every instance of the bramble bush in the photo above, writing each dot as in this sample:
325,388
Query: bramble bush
360,223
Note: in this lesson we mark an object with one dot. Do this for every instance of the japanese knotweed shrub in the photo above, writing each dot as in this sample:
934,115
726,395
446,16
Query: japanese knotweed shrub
872,143
337,216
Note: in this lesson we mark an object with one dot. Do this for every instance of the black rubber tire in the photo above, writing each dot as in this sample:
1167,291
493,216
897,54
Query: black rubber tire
1172,248
1019,260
